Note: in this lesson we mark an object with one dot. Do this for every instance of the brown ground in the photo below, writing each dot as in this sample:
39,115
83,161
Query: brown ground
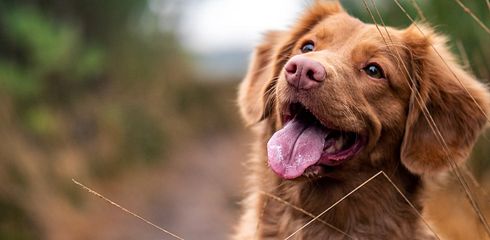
188,195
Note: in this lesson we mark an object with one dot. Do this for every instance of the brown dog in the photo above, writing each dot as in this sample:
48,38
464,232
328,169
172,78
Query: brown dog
333,103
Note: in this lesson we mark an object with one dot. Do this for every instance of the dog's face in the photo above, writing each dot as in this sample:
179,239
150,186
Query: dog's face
340,85
340,95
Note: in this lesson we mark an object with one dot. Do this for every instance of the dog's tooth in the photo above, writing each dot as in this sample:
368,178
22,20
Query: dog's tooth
331,149
339,143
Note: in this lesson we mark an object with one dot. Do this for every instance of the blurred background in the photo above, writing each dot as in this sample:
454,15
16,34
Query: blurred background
136,99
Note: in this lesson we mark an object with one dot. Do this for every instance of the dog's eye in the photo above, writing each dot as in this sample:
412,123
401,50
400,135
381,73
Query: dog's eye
374,71
307,47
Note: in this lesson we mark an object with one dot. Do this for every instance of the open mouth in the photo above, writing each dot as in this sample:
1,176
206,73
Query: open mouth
304,142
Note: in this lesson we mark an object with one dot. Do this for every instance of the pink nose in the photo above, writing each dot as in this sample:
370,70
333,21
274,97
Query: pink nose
304,73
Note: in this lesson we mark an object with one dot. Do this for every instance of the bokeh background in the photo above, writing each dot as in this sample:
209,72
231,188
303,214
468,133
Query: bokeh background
136,99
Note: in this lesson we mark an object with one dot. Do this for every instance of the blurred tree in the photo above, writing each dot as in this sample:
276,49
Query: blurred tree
53,54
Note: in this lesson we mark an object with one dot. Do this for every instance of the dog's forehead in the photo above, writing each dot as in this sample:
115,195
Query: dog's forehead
342,27
349,36
342,21
337,25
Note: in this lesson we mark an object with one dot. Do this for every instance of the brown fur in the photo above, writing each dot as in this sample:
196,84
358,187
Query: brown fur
401,141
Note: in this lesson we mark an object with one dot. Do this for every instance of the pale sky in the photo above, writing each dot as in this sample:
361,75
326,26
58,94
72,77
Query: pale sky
213,25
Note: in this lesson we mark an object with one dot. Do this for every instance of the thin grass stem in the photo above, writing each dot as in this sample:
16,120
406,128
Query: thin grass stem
305,212
125,210
468,11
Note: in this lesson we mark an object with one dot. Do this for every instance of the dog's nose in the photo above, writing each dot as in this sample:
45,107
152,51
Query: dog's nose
304,73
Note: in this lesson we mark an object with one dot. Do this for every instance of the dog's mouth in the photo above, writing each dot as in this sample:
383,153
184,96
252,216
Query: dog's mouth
305,143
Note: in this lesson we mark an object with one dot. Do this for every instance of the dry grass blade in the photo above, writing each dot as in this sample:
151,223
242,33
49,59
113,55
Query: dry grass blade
444,61
436,131
468,11
305,212
125,210
335,204
359,187
464,56
488,5
419,10
426,113
411,205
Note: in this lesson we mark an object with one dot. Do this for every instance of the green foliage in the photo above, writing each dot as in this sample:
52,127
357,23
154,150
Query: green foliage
40,121
61,70
48,48
16,82
51,65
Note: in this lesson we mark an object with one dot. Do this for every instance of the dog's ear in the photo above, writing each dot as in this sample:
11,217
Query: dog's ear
252,94
448,107
256,92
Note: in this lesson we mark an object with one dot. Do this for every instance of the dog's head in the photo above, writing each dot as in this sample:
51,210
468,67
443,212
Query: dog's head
337,91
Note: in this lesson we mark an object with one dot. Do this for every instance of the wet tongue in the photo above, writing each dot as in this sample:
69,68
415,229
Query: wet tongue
295,147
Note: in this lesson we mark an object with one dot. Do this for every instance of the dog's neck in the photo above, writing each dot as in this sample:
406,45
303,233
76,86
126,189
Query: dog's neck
376,204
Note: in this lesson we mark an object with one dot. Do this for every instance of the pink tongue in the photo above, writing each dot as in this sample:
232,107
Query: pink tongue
294,148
